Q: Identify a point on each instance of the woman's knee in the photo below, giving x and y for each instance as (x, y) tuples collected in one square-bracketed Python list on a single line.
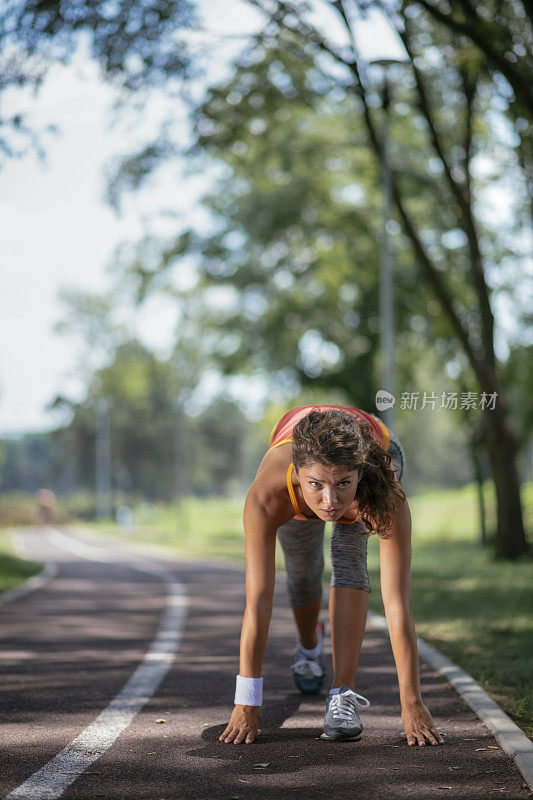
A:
[(348, 560), (304, 578), (304, 589), (302, 546)]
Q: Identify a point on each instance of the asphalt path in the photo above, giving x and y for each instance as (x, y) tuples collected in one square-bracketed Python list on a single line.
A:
[(70, 648)]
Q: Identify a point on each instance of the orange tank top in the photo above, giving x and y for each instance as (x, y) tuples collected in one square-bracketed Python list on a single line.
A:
[(282, 433)]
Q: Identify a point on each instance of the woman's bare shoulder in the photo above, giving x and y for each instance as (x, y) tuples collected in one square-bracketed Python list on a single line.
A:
[(276, 459), (269, 490)]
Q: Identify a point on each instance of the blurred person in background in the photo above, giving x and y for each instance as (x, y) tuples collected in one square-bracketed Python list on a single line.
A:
[(329, 464), (45, 501)]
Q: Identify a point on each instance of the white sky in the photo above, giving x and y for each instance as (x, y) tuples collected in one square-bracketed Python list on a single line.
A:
[(57, 231)]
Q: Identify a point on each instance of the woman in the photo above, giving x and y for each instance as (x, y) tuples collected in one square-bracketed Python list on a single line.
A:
[(335, 464)]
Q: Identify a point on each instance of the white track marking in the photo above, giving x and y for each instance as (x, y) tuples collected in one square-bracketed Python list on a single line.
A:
[(51, 780)]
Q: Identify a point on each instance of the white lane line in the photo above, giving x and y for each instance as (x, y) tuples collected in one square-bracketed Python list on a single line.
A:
[(51, 780), (505, 731)]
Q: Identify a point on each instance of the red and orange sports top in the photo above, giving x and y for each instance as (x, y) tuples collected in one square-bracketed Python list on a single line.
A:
[(282, 433)]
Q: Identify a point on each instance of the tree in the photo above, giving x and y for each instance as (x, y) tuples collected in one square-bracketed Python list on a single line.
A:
[(158, 450), (457, 80), (274, 124), (502, 34), (472, 327)]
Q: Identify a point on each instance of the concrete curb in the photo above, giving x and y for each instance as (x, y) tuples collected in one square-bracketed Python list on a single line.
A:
[(505, 731)]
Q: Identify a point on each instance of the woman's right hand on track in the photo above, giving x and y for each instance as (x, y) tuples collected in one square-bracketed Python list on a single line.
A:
[(243, 723)]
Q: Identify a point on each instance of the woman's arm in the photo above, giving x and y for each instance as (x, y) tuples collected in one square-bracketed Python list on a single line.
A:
[(259, 549), (395, 569), (260, 544)]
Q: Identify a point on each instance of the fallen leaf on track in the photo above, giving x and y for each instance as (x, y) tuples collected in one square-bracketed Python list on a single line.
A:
[(478, 749), (160, 721), (262, 765), (243, 781)]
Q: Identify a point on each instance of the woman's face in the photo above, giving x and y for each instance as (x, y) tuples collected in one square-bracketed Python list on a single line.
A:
[(328, 491)]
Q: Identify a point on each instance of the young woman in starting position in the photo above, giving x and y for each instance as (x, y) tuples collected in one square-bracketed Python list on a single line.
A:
[(329, 464)]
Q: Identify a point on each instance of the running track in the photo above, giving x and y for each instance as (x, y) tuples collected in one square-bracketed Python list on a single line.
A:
[(70, 648)]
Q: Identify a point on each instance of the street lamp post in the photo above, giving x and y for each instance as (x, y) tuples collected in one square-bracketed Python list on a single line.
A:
[(103, 459), (386, 293)]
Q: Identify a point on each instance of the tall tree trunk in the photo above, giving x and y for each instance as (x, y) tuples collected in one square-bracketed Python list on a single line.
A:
[(478, 476), (502, 449)]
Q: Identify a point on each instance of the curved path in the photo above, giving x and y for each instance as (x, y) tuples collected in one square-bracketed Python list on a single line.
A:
[(70, 648)]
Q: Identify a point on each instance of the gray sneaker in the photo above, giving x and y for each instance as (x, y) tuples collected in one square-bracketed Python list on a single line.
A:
[(342, 718), (309, 673)]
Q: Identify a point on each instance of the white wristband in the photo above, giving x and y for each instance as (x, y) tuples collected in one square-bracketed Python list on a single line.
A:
[(248, 691)]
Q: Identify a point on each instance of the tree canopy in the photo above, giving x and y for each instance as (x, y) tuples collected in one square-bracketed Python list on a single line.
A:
[(286, 279)]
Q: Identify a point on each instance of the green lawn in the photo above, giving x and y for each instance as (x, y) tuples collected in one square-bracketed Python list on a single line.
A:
[(475, 610), (13, 570)]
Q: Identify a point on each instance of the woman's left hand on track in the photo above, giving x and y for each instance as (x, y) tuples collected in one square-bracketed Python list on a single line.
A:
[(419, 725)]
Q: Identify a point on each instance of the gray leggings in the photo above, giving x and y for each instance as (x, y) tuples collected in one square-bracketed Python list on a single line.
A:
[(302, 545)]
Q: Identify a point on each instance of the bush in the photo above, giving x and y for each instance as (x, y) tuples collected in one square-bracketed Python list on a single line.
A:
[(17, 508)]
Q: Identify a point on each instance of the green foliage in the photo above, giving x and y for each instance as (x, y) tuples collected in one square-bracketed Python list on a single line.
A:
[(288, 279), (17, 508), (217, 435), (492, 35), (141, 391), (27, 463), (517, 373), (287, 283), (13, 570)]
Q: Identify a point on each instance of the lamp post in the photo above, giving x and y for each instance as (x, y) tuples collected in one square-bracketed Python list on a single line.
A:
[(386, 294), (103, 459), (182, 482)]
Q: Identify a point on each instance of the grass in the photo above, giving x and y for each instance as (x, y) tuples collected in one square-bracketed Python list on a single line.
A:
[(13, 570), (476, 610)]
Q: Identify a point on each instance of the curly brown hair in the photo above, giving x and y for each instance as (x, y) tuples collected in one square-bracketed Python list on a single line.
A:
[(337, 438)]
